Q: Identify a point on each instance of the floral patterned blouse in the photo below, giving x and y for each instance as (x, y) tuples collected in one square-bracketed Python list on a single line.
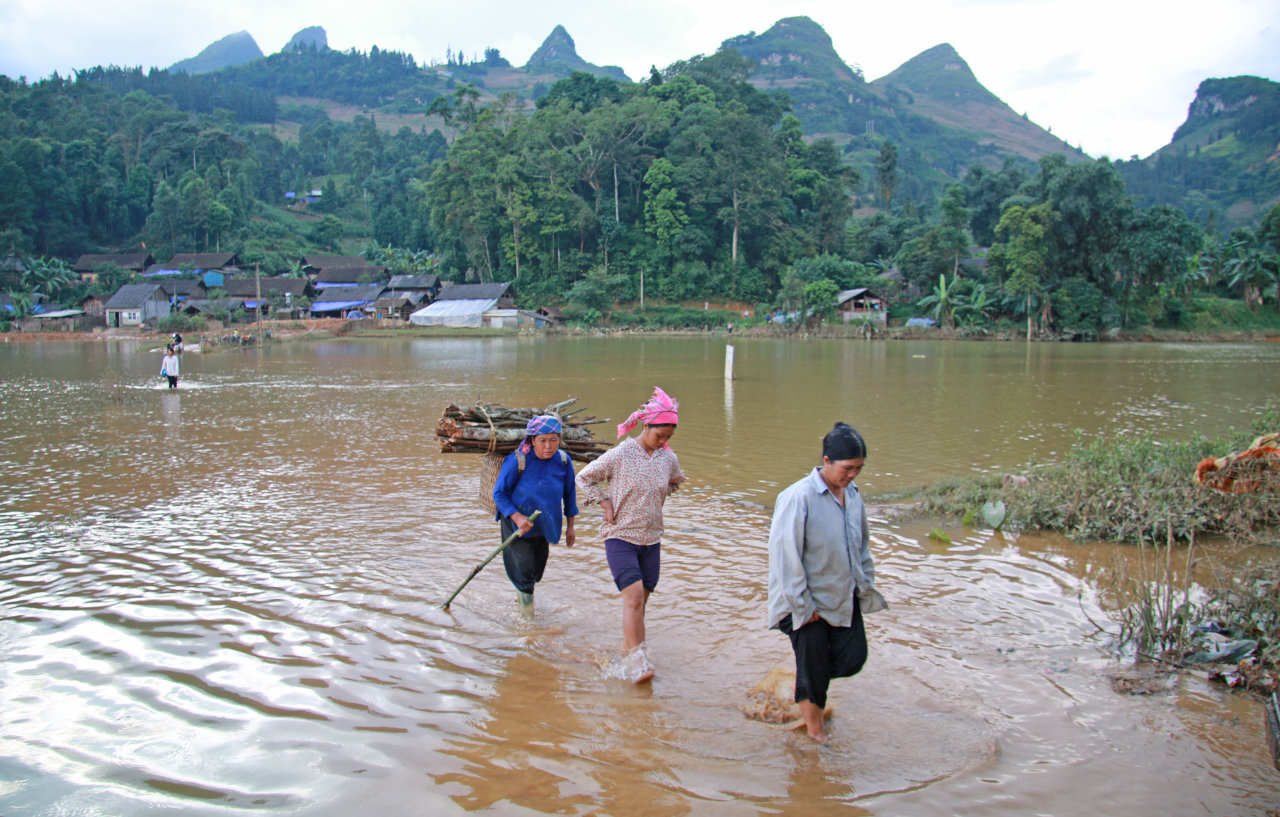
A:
[(638, 484)]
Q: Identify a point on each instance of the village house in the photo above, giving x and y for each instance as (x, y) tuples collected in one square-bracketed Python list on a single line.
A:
[(136, 305), (215, 309), (315, 264), (470, 305), (274, 289), (58, 318), (344, 300), (398, 305), (862, 304), (554, 316), (87, 266), (11, 272), (201, 261), (93, 304), (427, 283), (406, 294), (182, 289), (349, 277), (194, 263), (277, 292)]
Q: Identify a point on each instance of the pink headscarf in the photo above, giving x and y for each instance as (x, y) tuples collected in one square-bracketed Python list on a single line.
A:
[(660, 410)]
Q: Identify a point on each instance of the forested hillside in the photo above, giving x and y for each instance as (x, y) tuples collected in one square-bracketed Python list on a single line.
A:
[(933, 108), (702, 182), (1223, 165)]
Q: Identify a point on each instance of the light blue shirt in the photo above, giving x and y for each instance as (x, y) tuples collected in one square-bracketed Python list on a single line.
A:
[(819, 553)]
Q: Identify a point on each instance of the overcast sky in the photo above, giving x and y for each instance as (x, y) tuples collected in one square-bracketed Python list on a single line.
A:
[(1112, 76)]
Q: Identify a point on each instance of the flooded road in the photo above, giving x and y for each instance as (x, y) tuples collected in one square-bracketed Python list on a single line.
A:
[(226, 599)]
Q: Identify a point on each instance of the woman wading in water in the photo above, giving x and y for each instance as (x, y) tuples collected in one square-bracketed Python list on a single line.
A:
[(821, 575), (641, 473), (538, 476)]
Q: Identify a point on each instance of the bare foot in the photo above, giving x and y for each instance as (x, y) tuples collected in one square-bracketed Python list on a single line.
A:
[(813, 721)]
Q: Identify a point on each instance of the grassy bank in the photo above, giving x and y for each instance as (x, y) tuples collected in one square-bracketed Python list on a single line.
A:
[(1141, 491)]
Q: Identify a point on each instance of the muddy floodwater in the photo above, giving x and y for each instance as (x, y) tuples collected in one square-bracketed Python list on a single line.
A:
[(225, 599)]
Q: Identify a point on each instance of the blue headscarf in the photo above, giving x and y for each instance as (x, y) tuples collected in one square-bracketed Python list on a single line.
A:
[(541, 424)]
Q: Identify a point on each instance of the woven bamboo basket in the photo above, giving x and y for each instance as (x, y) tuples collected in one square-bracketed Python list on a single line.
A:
[(490, 465)]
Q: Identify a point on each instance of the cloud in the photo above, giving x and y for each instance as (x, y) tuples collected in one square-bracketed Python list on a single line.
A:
[(1063, 69)]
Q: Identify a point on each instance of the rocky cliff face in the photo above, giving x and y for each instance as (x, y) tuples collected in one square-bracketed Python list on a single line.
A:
[(558, 55), (932, 102)]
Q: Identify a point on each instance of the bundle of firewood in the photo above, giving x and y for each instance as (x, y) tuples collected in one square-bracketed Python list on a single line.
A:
[(496, 429)]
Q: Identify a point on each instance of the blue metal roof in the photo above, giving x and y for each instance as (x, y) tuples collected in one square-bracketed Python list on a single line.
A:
[(335, 306)]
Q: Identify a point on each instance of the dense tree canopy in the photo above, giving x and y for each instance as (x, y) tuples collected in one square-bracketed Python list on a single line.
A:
[(697, 182), (693, 185)]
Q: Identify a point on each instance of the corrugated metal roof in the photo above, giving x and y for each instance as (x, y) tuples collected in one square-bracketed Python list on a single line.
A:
[(62, 313), (467, 292), (350, 275), (336, 306), (204, 260), (248, 287), (414, 281), (125, 260), (131, 296), (357, 293)]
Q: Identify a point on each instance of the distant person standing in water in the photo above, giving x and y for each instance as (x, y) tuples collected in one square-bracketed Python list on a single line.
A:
[(169, 366), (641, 473), (177, 344), (821, 574)]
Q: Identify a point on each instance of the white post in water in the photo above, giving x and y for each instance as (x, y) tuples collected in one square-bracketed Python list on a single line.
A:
[(728, 362)]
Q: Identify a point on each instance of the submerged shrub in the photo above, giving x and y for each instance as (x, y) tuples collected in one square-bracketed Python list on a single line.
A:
[(1124, 489), (1138, 490)]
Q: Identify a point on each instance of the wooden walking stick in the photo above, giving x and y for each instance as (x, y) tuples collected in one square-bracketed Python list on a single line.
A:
[(480, 566)]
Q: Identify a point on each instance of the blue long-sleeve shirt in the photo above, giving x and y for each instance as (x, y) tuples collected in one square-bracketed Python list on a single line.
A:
[(546, 485), (819, 553)]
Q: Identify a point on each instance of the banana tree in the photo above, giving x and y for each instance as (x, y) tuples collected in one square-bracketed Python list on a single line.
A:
[(1253, 269), (943, 302), (973, 308)]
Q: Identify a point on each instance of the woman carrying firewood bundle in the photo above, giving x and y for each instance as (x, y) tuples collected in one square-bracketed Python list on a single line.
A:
[(541, 482), (641, 473)]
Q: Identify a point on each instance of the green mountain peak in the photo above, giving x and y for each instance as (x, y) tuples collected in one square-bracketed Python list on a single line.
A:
[(558, 55), (233, 49), (794, 47), (310, 37), (939, 72)]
